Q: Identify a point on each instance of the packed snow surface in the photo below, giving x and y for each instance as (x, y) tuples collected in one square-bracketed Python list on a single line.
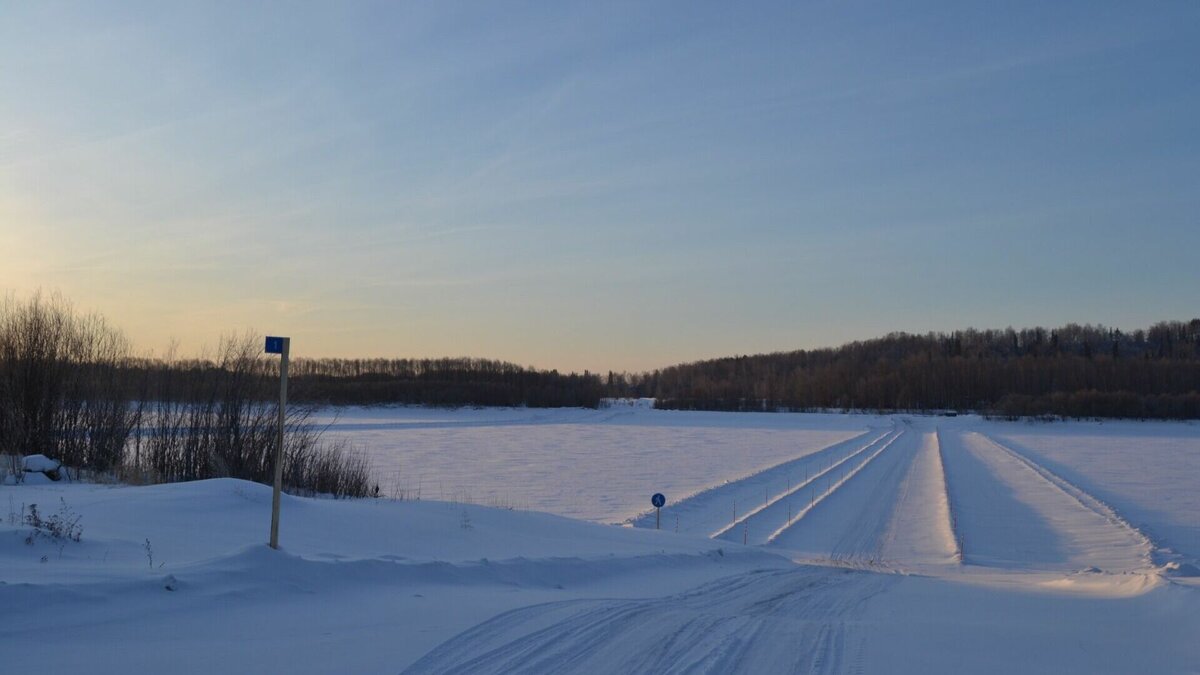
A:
[(790, 543)]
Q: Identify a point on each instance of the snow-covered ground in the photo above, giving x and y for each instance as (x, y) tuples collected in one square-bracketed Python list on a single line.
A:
[(1149, 472), (898, 544), (600, 465)]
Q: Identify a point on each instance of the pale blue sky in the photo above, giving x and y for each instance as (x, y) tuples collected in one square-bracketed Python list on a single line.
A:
[(600, 185)]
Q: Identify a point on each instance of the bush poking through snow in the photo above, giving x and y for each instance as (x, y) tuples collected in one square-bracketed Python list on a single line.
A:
[(222, 422), (329, 468), (63, 526)]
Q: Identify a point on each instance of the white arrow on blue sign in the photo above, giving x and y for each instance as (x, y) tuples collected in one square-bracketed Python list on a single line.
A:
[(658, 500), (274, 345)]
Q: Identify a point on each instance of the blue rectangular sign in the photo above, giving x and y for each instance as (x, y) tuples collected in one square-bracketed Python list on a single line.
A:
[(274, 345)]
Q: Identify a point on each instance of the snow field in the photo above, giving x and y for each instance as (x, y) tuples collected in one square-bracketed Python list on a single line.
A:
[(899, 492), (1024, 563), (360, 586), (719, 510), (599, 465), (821, 487), (931, 545)]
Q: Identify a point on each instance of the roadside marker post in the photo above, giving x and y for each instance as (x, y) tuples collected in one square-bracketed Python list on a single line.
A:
[(659, 500), (281, 346)]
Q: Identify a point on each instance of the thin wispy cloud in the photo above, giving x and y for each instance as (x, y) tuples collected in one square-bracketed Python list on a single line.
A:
[(562, 182)]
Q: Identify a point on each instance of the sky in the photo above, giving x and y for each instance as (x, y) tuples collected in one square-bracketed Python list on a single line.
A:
[(599, 185)]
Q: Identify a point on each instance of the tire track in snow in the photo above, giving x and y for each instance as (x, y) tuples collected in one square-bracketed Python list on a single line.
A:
[(864, 537), (804, 619)]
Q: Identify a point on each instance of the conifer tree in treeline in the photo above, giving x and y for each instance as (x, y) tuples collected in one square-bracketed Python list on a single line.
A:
[(1063, 371)]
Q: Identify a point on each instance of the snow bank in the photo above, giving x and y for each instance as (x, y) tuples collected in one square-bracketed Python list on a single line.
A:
[(40, 463)]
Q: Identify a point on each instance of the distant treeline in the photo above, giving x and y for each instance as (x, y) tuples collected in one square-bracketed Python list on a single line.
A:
[(443, 382), (448, 382), (1078, 371), (70, 387)]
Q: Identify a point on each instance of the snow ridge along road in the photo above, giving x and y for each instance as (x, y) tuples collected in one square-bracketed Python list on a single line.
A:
[(920, 532)]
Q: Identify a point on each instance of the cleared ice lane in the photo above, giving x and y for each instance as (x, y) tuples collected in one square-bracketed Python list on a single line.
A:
[(852, 523), (1012, 514)]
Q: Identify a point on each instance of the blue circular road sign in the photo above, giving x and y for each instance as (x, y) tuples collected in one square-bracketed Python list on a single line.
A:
[(658, 500)]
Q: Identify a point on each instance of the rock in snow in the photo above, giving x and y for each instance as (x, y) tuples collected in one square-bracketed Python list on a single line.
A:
[(42, 464)]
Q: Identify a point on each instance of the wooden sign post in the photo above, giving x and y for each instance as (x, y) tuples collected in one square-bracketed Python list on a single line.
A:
[(281, 346)]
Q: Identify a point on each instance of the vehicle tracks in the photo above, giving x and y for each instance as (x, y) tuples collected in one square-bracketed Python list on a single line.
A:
[(798, 620)]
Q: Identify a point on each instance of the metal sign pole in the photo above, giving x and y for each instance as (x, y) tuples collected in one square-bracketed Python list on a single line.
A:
[(658, 500), (280, 346)]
